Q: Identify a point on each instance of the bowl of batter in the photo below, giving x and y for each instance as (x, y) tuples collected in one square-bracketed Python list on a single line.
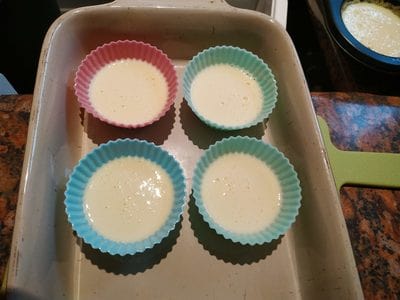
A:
[(246, 190), (367, 30), (125, 196), (229, 88), (126, 83)]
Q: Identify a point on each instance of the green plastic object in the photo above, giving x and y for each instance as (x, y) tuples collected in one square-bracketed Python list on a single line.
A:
[(361, 168)]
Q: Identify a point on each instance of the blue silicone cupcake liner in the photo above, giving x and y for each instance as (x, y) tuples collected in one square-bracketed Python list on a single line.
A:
[(88, 165), (287, 176), (242, 59)]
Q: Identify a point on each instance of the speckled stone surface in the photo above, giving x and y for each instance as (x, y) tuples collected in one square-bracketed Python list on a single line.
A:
[(361, 122), (373, 221), (14, 119), (366, 122)]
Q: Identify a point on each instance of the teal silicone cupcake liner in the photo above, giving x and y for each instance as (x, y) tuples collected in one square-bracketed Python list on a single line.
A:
[(87, 166), (280, 165), (242, 59)]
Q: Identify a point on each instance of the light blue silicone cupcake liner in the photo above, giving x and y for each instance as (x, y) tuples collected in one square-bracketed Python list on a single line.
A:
[(87, 166), (242, 59), (287, 176)]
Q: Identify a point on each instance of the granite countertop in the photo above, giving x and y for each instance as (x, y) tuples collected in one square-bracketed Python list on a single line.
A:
[(14, 119), (357, 121)]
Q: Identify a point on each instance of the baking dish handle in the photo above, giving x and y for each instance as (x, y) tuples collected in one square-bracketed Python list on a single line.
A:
[(278, 9), (200, 4)]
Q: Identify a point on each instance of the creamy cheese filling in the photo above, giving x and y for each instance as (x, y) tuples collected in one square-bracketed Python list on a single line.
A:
[(375, 26), (128, 199), (226, 95), (129, 91), (241, 193)]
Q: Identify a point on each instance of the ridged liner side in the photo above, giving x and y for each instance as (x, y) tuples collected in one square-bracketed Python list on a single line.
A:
[(94, 160), (287, 176)]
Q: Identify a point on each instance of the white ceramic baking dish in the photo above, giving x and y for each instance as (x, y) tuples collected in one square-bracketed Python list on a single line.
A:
[(313, 260)]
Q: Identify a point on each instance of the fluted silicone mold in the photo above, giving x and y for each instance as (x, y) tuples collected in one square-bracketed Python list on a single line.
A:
[(115, 51), (87, 166), (280, 165), (241, 59)]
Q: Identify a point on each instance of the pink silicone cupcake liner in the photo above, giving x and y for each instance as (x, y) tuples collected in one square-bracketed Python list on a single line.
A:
[(114, 51)]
